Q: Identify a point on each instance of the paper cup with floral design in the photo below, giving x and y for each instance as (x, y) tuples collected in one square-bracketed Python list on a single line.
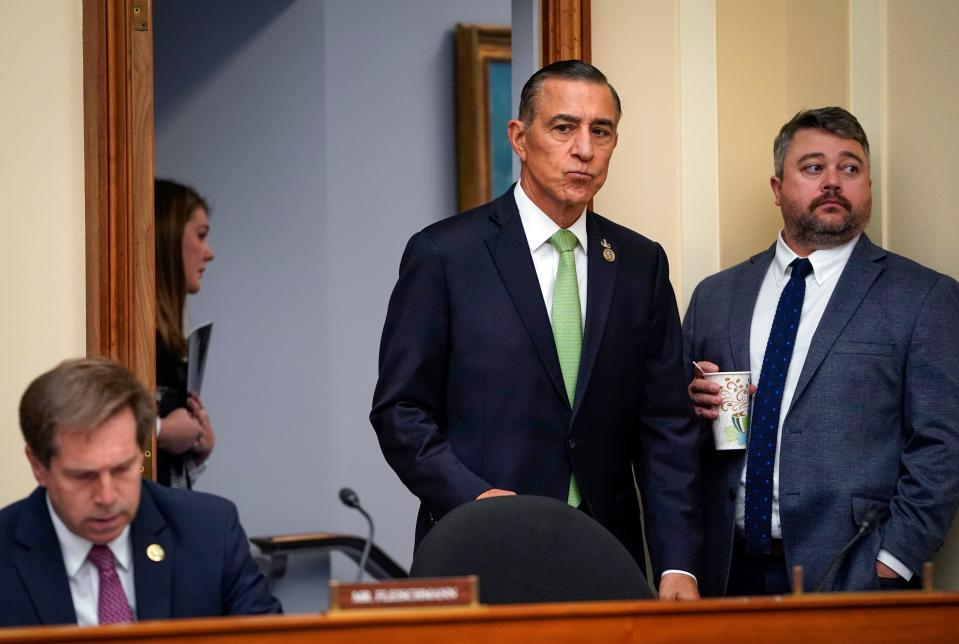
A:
[(731, 429)]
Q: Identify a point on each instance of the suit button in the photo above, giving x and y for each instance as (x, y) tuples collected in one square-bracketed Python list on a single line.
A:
[(572, 443), (732, 494)]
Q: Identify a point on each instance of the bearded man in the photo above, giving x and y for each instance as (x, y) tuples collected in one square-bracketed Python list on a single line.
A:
[(855, 423)]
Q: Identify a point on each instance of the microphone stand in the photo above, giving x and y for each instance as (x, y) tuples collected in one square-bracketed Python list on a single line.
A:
[(349, 498), (868, 523)]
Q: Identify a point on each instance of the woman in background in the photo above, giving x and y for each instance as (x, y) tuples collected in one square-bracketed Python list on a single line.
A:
[(185, 437)]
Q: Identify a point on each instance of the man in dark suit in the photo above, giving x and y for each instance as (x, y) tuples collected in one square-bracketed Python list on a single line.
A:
[(533, 347), (859, 416), (96, 544)]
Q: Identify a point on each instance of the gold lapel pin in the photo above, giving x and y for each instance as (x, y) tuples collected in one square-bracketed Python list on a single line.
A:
[(608, 253), (155, 552)]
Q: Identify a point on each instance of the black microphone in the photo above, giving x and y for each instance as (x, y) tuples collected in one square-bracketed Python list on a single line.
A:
[(870, 520), (350, 500)]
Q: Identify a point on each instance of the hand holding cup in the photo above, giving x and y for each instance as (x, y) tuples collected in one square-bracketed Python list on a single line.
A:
[(723, 397)]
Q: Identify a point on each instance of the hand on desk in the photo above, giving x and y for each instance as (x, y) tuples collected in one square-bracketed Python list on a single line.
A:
[(677, 586)]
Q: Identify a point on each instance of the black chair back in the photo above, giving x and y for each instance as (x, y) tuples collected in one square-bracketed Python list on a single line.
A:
[(530, 549)]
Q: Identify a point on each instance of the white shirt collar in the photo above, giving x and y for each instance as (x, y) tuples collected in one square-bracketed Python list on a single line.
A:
[(539, 227), (825, 262), (75, 548)]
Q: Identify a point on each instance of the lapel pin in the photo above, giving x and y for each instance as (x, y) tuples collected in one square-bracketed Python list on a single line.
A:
[(155, 552), (608, 253)]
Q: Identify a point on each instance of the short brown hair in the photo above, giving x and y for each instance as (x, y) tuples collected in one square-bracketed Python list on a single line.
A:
[(80, 395), (834, 120)]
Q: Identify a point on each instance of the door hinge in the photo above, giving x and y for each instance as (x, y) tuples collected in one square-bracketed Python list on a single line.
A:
[(141, 15)]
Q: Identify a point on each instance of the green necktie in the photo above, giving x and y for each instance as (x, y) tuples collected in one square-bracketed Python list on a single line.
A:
[(567, 326)]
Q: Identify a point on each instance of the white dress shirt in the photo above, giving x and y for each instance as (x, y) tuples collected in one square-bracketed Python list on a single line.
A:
[(827, 265), (83, 575), (539, 228)]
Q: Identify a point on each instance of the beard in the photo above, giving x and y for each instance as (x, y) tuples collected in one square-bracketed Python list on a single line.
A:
[(819, 232)]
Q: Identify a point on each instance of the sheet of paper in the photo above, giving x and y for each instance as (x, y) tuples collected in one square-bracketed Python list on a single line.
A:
[(198, 343)]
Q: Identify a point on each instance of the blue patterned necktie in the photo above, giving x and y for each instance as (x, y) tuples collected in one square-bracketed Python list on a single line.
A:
[(764, 424), (567, 326)]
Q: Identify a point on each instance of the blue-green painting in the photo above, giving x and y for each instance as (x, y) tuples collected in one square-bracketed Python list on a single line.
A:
[(501, 154)]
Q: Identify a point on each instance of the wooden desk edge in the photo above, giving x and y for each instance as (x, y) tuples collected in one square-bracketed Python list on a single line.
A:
[(490, 614)]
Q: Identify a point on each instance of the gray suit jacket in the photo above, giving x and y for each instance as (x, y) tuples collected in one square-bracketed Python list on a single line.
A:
[(874, 422)]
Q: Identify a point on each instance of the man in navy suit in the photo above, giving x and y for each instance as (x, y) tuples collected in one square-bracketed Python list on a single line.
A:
[(867, 434), (482, 392), (97, 544)]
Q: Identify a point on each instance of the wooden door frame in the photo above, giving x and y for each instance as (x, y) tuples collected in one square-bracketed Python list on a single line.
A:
[(118, 155), (118, 165), (565, 30)]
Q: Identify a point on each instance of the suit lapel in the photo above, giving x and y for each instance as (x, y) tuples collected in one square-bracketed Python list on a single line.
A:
[(856, 279), (510, 252), (153, 580), (744, 301), (600, 284), (39, 562)]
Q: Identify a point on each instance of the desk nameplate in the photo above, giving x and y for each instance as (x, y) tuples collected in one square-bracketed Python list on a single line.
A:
[(405, 593)]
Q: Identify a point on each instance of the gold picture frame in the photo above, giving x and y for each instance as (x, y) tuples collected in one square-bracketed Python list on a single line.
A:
[(478, 48)]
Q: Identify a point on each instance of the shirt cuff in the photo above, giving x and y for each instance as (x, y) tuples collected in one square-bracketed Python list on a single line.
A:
[(689, 574), (194, 469), (159, 427), (890, 560)]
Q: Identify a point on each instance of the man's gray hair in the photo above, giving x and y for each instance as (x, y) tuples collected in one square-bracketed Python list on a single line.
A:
[(575, 70)]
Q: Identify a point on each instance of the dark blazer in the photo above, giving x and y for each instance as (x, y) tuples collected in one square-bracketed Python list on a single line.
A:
[(471, 396), (874, 422), (171, 385), (207, 569)]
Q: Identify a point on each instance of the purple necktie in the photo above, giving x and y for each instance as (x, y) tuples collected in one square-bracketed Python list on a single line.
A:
[(112, 607)]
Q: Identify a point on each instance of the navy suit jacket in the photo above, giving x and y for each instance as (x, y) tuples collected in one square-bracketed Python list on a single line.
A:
[(874, 421), (207, 569), (471, 395)]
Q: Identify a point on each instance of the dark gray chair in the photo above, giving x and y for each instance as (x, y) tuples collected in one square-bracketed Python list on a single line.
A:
[(530, 549)]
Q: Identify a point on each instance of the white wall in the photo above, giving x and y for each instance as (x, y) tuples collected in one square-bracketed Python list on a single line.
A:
[(635, 45), (323, 135), (41, 230), (923, 136)]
